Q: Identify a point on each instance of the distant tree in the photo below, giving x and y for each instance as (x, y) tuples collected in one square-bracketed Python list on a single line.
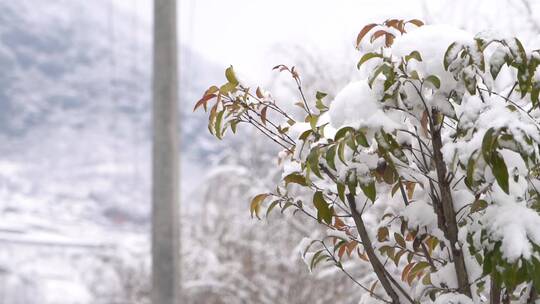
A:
[(233, 260), (426, 170)]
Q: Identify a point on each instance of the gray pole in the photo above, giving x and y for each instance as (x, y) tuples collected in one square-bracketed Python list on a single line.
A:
[(165, 168)]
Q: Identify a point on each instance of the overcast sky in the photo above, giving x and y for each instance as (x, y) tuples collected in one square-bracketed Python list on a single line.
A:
[(245, 33)]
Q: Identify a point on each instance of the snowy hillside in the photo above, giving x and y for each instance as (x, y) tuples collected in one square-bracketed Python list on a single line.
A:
[(74, 140)]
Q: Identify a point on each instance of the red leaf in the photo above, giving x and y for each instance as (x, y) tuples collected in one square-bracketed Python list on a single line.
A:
[(341, 250), (203, 101)]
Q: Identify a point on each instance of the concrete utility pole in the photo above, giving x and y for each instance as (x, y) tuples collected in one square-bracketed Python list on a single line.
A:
[(165, 168)]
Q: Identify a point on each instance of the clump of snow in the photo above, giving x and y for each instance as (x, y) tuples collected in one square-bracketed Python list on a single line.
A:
[(420, 214), (290, 166), (368, 299), (515, 226), (445, 277), (431, 41), (337, 233), (357, 106), (453, 298), (298, 128)]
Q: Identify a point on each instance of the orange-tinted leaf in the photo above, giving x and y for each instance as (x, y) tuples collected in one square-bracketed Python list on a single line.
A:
[(363, 255), (382, 234), (432, 242), (363, 32), (409, 237), (410, 188), (406, 270), (372, 288), (255, 205), (339, 224), (416, 271), (391, 23), (350, 247), (341, 251), (416, 22), (378, 34), (401, 26), (389, 40), (397, 24)]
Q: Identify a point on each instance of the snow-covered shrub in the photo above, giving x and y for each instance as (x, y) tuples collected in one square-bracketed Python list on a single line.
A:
[(426, 169)]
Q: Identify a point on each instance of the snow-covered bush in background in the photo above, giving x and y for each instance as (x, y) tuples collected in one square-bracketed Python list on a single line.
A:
[(426, 170)]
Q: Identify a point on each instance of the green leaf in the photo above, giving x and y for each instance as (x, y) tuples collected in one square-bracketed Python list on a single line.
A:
[(295, 178), (413, 55), (313, 121), (341, 191), (272, 205), (352, 182), (342, 132), (320, 95), (417, 268), (313, 161), (469, 179), (384, 68), (227, 88), (395, 148), (521, 51), (369, 190), (535, 92), (341, 152), (331, 156), (479, 205), (414, 75), (323, 211), (470, 83), (231, 77), (400, 240), (434, 80), (500, 171), (305, 134), (255, 205), (316, 259), (450, 55), (367, 57), (234, 124), (535, 273), (361, 139), (487, 143), (320, 106), (217, 124)]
